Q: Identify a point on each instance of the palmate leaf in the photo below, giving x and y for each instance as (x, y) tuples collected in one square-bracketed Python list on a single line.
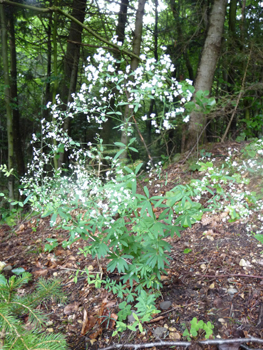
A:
[(156, 260), (158, 229), (99, 248), (175, 229), (118, 262)]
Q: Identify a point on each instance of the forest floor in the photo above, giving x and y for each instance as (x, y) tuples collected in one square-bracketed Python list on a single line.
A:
[(219, 280)]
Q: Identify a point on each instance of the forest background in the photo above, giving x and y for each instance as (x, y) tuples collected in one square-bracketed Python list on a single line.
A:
[(215, 44)]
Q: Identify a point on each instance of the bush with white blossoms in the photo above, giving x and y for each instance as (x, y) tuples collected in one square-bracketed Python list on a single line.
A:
[(151, 80), (104, 208)]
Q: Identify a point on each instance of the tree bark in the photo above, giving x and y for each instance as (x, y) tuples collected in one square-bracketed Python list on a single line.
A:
[(9, 114), (71, 61), (206, 69), (18, 149), (120, 32), (134, 64)]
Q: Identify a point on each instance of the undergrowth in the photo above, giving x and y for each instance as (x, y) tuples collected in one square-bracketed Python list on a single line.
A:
[(104, 207)]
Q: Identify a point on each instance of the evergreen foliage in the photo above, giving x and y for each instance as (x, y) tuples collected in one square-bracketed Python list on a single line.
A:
[(14, 333)]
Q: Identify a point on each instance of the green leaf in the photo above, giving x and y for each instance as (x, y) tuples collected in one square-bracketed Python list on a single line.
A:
[(28, 197), (187, 250), (134, 187), (133, 327), (102, 249), (163, 214), (138, 168), (3, 280), (53, 219), (118, 154), (132, 140), (259, 238), (18, 270), (120, 144), (133, 149), (175, 229), (146, 191), (129, 170), (174, 196)]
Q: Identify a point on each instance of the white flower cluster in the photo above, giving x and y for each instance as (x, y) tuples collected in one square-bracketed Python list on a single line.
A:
[(150, 80)]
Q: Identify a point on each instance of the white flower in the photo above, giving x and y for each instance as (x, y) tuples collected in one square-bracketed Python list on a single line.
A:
[(189, 81)]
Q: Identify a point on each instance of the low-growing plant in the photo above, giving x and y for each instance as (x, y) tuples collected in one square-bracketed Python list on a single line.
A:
[(196, 326), (14, 333)]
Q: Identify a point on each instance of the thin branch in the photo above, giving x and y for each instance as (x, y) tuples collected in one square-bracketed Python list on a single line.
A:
[(184, 343), (94, 46), (238, 99), (142, 139), (233, 275)]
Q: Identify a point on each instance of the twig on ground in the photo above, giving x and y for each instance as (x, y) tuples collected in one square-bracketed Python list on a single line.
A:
[(184, 343), (233, 275), (247, 347)]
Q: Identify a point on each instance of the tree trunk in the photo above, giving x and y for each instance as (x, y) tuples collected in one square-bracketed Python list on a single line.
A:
[(18, 149), (9, 114), (71, 60), (207, 66), (134, 64), (235, 45), (106, 132), (48, 95)]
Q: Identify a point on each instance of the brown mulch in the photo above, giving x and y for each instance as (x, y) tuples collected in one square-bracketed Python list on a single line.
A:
[(210, 282)]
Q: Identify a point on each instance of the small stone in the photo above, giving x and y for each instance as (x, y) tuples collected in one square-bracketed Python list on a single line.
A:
[(131, 319), (50, 330), (221, 320), (164, 305), (232, 291), (244, 263), (175, 336), (7, 268), (172, 329), (203, 266), (159, 332)]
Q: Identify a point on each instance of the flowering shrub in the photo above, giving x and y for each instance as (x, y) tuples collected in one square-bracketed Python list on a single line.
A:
[(151, 80), (104, 208)]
